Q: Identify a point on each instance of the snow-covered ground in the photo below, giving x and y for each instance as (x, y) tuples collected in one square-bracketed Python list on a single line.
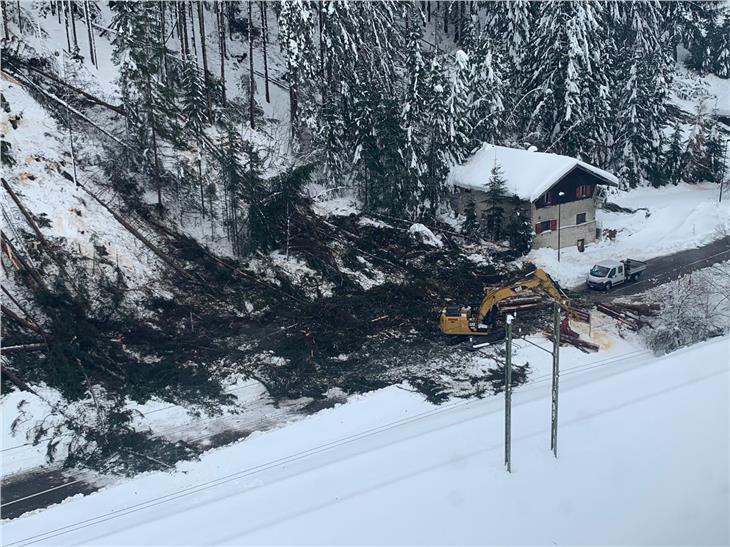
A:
[(677, 218), (387, 468)]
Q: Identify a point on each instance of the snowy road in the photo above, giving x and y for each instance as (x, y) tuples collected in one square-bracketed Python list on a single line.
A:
[(643, 452), (667, 268)]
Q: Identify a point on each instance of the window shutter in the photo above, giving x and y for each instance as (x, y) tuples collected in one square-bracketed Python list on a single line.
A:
[(538, 228), (553, 224)]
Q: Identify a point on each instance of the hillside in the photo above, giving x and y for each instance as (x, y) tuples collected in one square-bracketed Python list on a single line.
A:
[(249, 244)]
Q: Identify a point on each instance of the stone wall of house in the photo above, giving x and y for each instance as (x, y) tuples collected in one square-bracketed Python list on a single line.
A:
[(460, 198), (570, 232)]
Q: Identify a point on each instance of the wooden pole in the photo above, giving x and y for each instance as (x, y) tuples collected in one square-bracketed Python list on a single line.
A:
[(508, 398), (556, 377)]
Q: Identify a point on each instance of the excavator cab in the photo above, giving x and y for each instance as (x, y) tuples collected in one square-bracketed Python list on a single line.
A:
[(455, 320)]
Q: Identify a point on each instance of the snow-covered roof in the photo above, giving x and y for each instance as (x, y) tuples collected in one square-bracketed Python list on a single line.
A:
[(527, 174)]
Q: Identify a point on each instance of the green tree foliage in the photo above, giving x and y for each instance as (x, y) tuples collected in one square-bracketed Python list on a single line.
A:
[(519, 231), (496, 194), (471, 223), (675, 157), (284, 209)]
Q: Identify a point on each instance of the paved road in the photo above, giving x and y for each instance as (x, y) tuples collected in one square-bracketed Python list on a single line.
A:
[(20, 492), (667, 268)]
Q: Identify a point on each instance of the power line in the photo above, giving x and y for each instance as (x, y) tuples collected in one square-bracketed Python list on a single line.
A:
[(297, 456), (537, 381)]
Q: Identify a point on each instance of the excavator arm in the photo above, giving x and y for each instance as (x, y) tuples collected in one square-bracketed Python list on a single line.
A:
[(538, 279), (456, 320)]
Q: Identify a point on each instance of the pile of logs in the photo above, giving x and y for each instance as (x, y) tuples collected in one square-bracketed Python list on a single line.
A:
[(629, 315), (526, 302), (568, 337)]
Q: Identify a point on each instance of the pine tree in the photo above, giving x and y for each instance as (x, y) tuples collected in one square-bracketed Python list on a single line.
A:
[(519, 232), (139, 50), (296, 40), (471, 223), (567, 107), (495, 196), (720, 48), (699, 164), (193, 110), (284, 209), (233, 174), (675, 157), (485, 89), (716, 148)]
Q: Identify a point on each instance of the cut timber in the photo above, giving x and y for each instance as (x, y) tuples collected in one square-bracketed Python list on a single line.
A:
[(570, 339), (518, 303), (624, 317), (637, 308)]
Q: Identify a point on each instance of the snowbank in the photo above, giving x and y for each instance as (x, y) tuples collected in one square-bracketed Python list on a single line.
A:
[(642, 459), (679, 217), (421, 233)]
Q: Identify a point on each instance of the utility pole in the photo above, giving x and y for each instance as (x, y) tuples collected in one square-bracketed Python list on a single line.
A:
[(508, 398), (556, 375), (724, 166), (560, 199)]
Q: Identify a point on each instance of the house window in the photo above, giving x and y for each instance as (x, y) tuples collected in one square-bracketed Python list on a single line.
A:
[(546, 225), (580, 218), (549, 197), (584, 191)]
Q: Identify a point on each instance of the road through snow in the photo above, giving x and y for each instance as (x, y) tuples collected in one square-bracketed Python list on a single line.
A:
[(643, 455)]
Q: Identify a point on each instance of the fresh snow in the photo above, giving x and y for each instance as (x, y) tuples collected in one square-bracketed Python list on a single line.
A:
[(676, 218), (424, 235), (390, 468), (527, 174)]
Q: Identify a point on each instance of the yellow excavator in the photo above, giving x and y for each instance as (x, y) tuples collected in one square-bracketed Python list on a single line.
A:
[(458, 320)]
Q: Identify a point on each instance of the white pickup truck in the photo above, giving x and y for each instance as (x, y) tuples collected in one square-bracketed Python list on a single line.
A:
[(610, 273)]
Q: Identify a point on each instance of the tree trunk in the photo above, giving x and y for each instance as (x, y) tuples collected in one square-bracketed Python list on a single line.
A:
[(92, 52), (20, 20), (428, 10), (5, 20), (200, 178), (163, 41), (149, 100), (201, 19), (447, 8), (264, 38), (222, 47), (191, 16), (73, 24), (182, 28), (65, 21), (321, 42), (230, 20), (251, 82)]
